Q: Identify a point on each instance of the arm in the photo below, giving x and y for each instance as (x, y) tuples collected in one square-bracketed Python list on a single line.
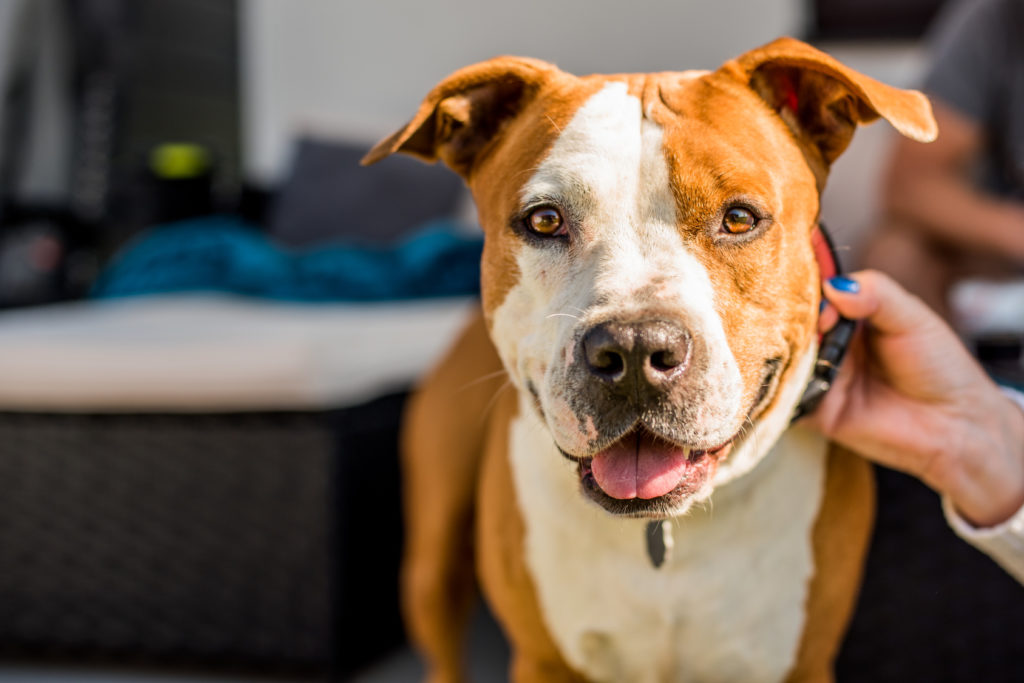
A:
[(1003, 542), (909, 396), (930, 187)]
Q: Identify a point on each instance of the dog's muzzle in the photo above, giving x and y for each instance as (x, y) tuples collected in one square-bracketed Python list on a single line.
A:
[(630, 375)]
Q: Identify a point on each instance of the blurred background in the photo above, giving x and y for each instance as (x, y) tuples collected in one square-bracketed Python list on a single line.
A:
[(211, 316)]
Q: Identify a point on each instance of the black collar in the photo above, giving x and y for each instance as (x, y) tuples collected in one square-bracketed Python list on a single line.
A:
[(833, 344)]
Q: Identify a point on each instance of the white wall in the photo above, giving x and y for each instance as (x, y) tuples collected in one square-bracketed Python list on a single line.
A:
[(359, 68)]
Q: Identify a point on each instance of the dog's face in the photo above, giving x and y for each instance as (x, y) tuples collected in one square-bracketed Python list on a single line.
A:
[(649, 278), (648, 274)]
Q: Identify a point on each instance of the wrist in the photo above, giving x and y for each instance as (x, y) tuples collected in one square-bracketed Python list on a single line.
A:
[(988, 487)]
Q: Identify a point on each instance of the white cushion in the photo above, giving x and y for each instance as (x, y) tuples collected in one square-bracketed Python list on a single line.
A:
[(217, 353), (988, 307)]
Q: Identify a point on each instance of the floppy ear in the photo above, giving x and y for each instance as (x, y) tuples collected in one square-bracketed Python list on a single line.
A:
[(823, 101), (464, 112)]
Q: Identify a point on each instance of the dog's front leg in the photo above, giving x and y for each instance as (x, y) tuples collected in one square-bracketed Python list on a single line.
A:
[(442, 445)]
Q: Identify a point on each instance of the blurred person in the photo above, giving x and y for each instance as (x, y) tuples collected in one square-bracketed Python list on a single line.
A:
[(955, 207), (909, 396)]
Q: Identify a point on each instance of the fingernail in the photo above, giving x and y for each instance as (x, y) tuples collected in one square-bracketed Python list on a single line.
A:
[(844, 284), (822, 305)]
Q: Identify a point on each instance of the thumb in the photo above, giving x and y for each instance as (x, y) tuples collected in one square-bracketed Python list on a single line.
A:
[(871, 295)]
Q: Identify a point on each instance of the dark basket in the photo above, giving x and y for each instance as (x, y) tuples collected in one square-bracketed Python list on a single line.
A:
[(262, 541)]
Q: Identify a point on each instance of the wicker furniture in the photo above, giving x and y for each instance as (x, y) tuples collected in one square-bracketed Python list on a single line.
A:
[(206, 481)]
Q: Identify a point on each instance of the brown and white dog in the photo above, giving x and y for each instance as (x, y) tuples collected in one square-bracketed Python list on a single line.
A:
[(651, 290)]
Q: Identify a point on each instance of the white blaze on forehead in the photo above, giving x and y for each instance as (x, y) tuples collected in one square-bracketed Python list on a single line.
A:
[(600, 148), (604, 160)]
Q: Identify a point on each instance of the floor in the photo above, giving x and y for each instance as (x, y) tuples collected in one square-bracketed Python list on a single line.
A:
[(487, 663), (64, 674)]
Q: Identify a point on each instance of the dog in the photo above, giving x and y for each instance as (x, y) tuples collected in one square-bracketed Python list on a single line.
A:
[(607, 448)]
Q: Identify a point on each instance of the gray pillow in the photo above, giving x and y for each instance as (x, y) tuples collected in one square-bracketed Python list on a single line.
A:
[(330, 197)]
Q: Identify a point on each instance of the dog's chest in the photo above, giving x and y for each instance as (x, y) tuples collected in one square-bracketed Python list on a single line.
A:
[(728, 604)]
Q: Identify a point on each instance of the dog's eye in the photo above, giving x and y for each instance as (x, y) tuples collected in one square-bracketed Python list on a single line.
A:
[(738, 220), (546, 221)]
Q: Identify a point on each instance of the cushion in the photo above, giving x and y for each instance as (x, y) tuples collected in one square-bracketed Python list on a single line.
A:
[(329, 196), (217, 353)]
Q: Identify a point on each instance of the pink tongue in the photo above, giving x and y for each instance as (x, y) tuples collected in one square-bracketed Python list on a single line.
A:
[(626, 471)]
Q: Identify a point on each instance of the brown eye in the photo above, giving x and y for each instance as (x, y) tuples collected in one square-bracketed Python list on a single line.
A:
[(738, 220), (546, 221)]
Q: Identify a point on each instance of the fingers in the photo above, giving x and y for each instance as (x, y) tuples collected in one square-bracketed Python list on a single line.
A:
[(827, 318), (874, 296)]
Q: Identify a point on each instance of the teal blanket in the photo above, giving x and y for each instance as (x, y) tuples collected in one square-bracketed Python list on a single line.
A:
[(221, 253)]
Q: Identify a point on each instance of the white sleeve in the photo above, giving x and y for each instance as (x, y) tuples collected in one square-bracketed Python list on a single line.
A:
[(1004, 542)]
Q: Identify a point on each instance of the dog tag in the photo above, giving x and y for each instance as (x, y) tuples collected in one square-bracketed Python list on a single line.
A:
[(659, 541)]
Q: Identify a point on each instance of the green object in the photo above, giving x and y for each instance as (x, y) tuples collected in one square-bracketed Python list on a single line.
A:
[(179, 160)]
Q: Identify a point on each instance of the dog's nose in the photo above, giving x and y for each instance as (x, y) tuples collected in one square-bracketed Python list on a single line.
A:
[(622, 353)]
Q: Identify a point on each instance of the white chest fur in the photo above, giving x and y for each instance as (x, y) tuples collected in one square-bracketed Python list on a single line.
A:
[(727, 606)]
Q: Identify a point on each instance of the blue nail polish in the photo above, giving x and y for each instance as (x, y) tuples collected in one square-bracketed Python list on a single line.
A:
[(844, 284), (822, 305)]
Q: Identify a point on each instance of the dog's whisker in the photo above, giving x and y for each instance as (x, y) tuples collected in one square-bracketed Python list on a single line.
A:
[(562, 315), (483, 378), (752, 434), (494, 399)]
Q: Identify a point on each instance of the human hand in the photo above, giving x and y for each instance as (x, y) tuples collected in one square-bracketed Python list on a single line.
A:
[(909, 396)]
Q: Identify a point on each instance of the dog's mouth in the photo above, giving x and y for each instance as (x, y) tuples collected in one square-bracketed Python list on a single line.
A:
[(645, 475)]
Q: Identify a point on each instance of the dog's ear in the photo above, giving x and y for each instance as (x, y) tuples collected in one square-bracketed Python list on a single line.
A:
[(463, 113), (823, 101)]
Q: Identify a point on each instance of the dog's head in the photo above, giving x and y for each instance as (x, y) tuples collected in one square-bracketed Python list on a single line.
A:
[(648, 273)]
